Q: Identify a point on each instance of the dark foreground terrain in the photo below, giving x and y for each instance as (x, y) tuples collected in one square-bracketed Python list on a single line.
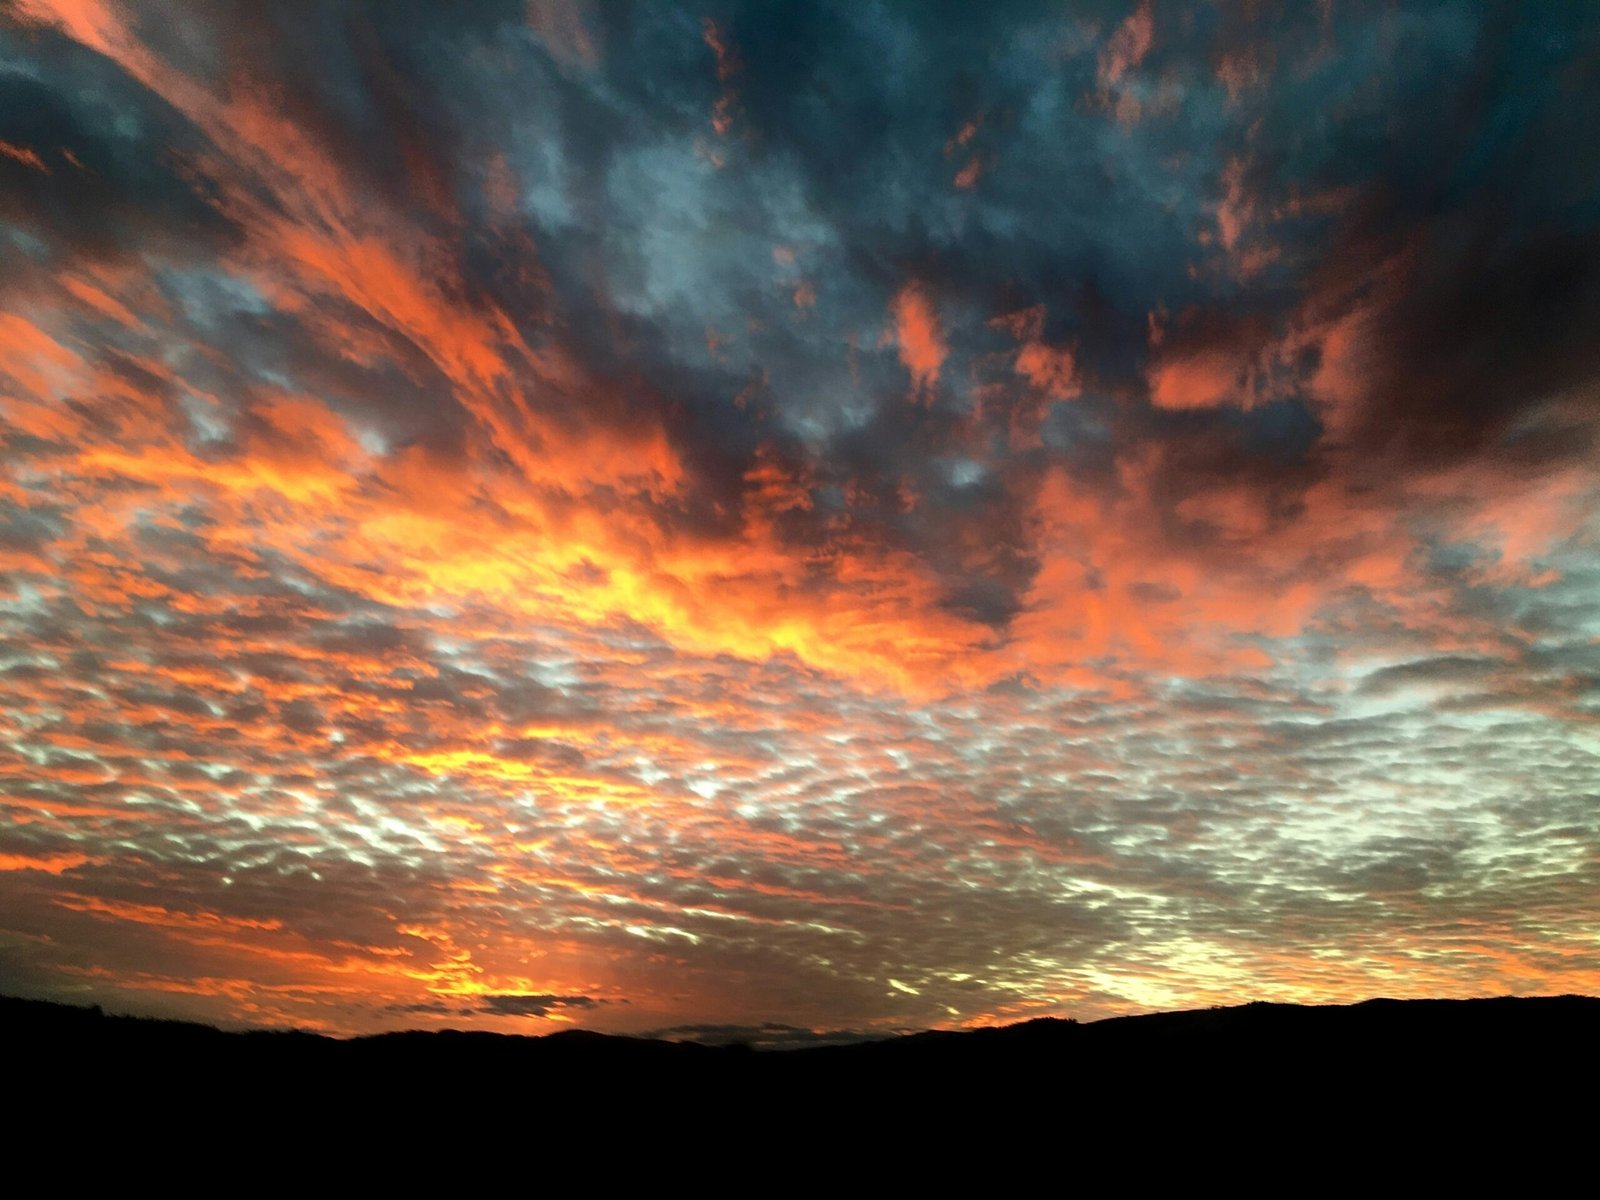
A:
[(1454, 1078), (1209, 1051)]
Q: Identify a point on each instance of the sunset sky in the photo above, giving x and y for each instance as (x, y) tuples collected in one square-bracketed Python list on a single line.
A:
[(783, 518)]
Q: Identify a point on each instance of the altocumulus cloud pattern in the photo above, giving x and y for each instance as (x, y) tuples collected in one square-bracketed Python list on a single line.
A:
[(828, 516)]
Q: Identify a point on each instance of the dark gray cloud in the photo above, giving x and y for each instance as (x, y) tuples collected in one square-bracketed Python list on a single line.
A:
[(770, 1035), (514, 1005)]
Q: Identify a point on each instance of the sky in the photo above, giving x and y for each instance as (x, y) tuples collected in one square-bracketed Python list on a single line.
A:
[(782, 520)]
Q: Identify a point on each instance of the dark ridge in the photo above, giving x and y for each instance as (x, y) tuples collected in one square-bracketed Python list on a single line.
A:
[(1392, 1069), (1500, 1022), (25, 1021)]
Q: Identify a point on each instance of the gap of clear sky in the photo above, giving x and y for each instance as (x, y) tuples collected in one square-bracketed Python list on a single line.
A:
[(827, 516)]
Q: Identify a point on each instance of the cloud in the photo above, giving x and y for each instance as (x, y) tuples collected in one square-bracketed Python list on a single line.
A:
[(565, 28), (25, 155), (466, 552), (1123, 51), (1127, 45), (1200, 381), (769, 1035), (917, 332), (535, 1005)]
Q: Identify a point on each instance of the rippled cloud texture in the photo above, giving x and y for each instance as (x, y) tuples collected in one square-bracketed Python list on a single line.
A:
[(796, 517)]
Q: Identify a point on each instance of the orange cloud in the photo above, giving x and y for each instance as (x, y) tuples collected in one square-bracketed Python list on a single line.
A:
[(921, 340), (1048, 369), (1203, 380), (1127, 46), (25, 155), (728, 67), (50, 864), (1236, 208), (964, 135)]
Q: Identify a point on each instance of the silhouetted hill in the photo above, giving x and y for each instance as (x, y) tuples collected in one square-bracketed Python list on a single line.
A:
[(1394, 1069)]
